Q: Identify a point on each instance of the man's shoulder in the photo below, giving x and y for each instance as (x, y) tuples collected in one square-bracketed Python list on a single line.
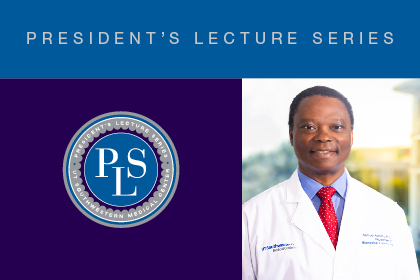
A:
[(275, 194)]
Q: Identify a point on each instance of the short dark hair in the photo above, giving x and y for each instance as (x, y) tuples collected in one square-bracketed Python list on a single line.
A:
[(322, 91)]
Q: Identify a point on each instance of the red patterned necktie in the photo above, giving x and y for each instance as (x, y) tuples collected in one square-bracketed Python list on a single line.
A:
[(327, 213)]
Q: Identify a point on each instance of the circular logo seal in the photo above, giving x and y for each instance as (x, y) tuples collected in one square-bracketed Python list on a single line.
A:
[(121, 169)]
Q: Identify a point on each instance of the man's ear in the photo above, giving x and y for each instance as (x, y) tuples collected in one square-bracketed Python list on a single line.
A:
[(352, 138), (291, 136)]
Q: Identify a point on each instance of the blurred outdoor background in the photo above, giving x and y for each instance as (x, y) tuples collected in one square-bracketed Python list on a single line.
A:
[(386, 147)]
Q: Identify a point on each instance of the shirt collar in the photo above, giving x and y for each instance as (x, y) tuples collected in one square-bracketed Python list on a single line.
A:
[(311, 187)]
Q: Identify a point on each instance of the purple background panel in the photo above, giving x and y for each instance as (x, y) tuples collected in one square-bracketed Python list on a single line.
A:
[(197, 236)]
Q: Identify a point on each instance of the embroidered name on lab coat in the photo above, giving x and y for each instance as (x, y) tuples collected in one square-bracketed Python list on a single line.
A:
[(377, 239)]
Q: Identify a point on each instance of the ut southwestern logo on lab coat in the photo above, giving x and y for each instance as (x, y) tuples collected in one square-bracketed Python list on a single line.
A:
[(279, 247), (121, 169)]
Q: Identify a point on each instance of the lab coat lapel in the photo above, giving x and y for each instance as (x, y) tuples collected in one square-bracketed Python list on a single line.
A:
[(349, 234), (305, 217)]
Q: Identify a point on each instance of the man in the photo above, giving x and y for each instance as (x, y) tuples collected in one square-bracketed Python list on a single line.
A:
[(321, 223)]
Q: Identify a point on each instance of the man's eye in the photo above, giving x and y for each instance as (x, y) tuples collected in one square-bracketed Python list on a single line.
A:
[(338, 126), (309, 127)]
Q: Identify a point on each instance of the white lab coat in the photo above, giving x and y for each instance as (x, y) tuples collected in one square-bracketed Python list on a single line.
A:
[(285, 215)]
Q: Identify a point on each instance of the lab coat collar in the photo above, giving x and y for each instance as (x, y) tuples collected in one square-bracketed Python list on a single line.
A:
[(305, 217), (294, 188)]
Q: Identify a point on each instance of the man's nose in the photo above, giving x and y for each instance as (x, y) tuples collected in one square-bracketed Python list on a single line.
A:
[(323, 135)]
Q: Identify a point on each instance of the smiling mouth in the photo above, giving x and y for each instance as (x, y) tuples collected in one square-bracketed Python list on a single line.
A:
[(322, 152)]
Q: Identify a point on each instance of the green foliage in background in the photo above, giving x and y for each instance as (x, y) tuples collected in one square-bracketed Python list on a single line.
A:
[(265, 170)]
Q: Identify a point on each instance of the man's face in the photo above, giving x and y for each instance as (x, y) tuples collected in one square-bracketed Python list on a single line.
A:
[(321, 135)]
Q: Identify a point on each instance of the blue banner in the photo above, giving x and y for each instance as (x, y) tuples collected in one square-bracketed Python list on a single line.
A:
[(215, 39)]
